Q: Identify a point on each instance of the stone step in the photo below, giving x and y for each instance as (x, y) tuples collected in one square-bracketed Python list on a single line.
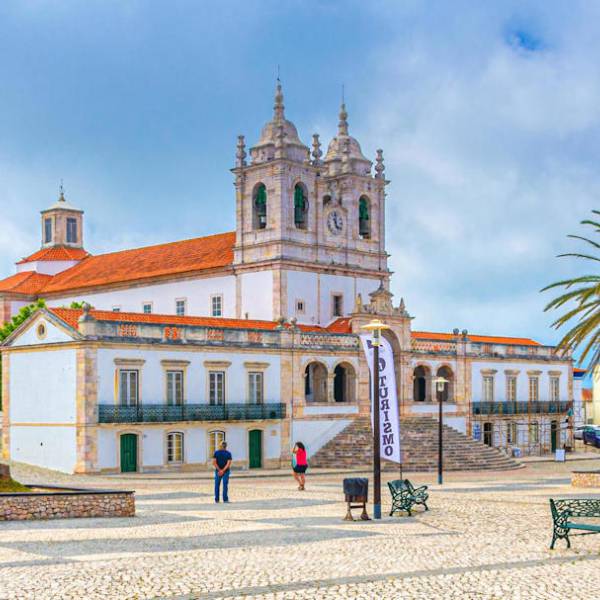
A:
[(353, 447)]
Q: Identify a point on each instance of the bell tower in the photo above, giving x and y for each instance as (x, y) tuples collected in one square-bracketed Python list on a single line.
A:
[(62, 224)]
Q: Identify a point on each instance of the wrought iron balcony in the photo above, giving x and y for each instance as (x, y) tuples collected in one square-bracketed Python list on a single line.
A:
[(521, 408), (163, 413)]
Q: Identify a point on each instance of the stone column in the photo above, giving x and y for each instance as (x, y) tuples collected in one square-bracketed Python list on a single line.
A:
[(330, 378)]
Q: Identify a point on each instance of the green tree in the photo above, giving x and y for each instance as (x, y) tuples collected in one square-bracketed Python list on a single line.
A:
[(580, 302)]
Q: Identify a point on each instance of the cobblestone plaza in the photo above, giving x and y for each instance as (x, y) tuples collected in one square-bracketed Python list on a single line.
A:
[(486, 536)]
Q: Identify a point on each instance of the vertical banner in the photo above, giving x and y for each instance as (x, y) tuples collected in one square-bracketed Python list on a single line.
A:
[(389, 419)]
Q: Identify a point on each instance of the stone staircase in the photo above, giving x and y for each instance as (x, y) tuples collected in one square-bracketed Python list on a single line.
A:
[(353, 447)]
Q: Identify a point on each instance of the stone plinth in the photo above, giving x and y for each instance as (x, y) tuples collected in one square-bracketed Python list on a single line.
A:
[(61, 503), (585, 479), (4, 472)]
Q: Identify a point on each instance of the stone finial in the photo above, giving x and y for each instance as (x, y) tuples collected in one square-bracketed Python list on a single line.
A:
[(240, 155), (455, 331), (465, 333), (317, 153), (86, 324), (379, 166), (343, 122), (294, 322), (278, 108), (358, 304), (86, 315), (281, 323), (61, 194)]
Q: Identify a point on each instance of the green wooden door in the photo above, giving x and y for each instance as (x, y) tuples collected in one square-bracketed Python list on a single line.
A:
[(255, 449), (554, 435), (128, 453)]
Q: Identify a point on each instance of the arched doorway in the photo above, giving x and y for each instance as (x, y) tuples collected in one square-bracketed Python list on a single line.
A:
[(315, 382), (448, 393), (129, 452), (344, 383), (421, 384)]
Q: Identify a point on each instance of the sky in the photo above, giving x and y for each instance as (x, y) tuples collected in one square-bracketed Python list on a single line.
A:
[(488, 114)]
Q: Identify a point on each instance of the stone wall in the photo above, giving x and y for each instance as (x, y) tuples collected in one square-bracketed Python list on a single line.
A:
[(585, 479), (66, 505)]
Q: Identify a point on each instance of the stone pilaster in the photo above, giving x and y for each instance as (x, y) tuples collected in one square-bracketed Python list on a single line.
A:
[(5, 406), (87, 410)]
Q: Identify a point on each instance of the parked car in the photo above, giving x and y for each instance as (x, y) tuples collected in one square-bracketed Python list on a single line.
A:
[(591, 433), (578, 432)]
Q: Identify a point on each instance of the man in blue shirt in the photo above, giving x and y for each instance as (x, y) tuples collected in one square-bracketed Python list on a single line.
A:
[(222, 463)]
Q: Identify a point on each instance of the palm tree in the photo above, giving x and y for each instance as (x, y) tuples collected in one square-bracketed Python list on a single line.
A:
[(581, 300)]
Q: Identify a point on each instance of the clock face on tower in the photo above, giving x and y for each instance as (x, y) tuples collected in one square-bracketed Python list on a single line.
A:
[(335, 222)]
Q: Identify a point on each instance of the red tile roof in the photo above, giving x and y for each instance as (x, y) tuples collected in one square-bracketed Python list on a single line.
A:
[(71, 315), (56, 253), (173, 258), (485, 339), (341, 325), (26, 282)]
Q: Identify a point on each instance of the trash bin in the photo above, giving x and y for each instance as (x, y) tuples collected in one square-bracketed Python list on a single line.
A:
[(356, 492)]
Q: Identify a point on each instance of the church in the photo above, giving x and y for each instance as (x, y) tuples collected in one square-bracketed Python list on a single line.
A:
[(145, 359)]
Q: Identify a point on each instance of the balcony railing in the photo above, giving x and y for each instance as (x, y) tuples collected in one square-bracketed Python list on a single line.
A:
[(162, 413), (521, 408)]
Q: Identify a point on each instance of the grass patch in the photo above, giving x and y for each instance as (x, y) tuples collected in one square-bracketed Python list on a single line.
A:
[(10, 485)]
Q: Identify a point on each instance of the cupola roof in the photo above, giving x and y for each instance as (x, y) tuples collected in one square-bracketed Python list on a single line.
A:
[(62, 204)]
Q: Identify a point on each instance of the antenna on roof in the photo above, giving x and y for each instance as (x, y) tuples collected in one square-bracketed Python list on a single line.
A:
[(61, 190)]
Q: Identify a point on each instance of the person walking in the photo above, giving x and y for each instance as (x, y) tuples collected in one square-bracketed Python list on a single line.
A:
[(222, 463), (300, 464)]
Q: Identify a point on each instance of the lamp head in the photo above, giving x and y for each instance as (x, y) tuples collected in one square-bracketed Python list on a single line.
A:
[(440, 382), (375, 327)]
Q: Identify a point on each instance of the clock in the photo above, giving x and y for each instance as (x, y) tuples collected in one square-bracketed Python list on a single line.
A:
[(335, 222)]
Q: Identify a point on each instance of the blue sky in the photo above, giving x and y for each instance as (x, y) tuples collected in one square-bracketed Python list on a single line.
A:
[(488, 114)]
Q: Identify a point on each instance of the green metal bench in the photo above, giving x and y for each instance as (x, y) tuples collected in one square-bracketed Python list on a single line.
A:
[(564, 509), (405, 496)]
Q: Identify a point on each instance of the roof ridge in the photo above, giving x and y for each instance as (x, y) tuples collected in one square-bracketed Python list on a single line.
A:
[(201, 237)]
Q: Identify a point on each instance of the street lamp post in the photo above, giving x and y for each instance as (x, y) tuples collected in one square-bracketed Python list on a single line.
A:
[(375, 326), (440, 382)]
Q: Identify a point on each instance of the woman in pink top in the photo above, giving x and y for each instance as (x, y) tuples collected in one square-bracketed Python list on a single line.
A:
[(300, 464)]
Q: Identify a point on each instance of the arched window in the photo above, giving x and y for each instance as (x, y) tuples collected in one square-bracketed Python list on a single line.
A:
[(448, 393), (260, 206), (175, 448), (315, 382), (344, 383), (421, 384), (364, 218), (215, 439), (300, 207)]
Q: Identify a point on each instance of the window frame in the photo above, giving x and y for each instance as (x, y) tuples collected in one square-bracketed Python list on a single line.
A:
[(71, 227), (488, 392), (172, 385), (218, 297), (554, 379), (533, 387), (300, 306), (48, 230), (172, 447), (147, 304), (214, 387), (217, 436), (183, 302), (256, 393), (334, 297), (128, 372)]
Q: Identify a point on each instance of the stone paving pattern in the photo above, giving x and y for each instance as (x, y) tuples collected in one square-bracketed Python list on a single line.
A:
[(486, 537)]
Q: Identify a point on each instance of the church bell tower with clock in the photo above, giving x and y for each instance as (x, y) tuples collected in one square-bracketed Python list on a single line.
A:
[(316, 224)]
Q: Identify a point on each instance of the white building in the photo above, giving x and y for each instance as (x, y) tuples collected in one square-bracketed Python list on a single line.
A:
[(249, 335)]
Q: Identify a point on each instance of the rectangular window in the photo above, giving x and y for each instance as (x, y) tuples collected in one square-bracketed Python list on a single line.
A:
[(255, 387), (337, 305), (216, 309), (554, 389), (534, 433), (128, 387), (147, 308), (175, 387), (511, 388), (71, 231), (216, 387), (299, 307), (175, 448), (47, 230), (534, 389), (180, 308), (215, 439), (488, 388), (116, 309)]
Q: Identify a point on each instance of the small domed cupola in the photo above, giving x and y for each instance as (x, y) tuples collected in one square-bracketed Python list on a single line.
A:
[(344, 154), (62, 224), (279, 137)]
